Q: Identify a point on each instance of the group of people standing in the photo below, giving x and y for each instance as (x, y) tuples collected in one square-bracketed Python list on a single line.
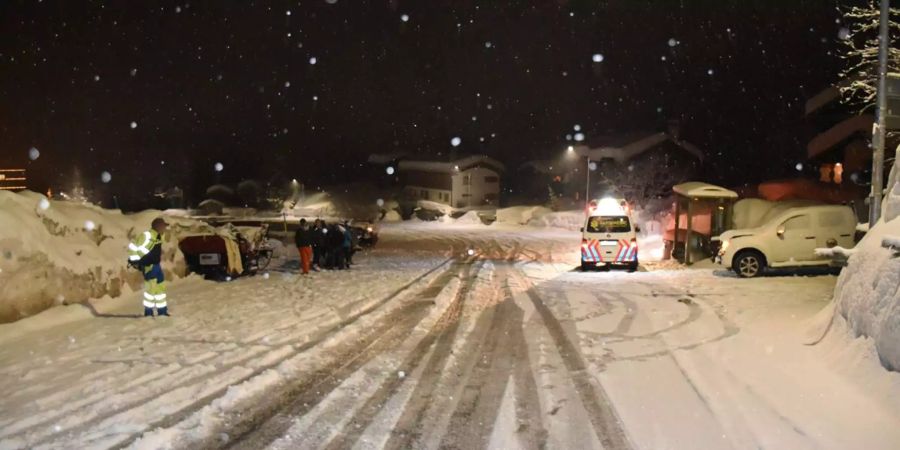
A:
[(326, 246)]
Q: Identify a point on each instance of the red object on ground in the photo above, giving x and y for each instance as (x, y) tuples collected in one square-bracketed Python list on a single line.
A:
[(305, 258)]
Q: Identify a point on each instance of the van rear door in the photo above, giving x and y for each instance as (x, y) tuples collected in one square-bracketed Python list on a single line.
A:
[(609, 239)]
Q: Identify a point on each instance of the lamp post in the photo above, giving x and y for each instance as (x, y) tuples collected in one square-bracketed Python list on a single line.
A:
[(587, 183), (879, 129)]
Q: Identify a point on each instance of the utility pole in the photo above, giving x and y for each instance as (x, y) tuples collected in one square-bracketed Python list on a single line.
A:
[(587, 184), (879, 131)]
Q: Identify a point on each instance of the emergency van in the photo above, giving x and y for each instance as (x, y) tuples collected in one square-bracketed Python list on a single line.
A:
[(609, 236)]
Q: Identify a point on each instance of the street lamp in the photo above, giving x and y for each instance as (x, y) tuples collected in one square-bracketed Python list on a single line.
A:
[(589, 165)]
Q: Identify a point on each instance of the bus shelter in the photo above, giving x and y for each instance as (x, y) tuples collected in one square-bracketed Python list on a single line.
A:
[(702, 212)]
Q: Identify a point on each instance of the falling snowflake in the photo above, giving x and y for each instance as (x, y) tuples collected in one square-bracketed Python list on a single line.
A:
[(470, 252), (44, 204), (404, 17), (597, 57), (455, 141), (579, 137), (592, 165), (843, 33), (401, 374), (709, 72), (577, 127), (379, 202), (287, 84), (672, 42), (96, 77), (33, 153), (312, 60), (266, 277), (218, 167), (133, 72), (488, 44), (799, 166), (133, 124), (105, 176), (389, 170), (89, 225)]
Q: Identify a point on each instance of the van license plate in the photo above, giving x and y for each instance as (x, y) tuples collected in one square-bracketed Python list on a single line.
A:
[(209, 259), (609, 242)]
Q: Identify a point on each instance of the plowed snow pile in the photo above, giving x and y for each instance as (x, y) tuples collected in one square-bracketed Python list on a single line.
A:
[(868, 293), (58, 252)]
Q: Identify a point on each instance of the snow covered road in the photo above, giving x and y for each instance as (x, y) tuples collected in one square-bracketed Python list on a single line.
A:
[(422, 345)]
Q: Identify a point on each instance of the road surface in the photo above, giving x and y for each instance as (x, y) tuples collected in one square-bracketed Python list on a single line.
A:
[(426, 344)]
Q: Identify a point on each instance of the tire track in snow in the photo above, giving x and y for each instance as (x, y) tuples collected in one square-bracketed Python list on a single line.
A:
[(409, 431), (473, 420), (263, 426), (606, 423), (196, 378), (439, 338)]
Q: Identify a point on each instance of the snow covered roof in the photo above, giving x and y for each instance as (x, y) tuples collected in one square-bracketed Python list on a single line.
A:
[(452, 166), (632, 147), (703, 190)]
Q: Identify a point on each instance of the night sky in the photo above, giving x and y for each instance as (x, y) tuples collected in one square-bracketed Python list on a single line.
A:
[(234, 82)]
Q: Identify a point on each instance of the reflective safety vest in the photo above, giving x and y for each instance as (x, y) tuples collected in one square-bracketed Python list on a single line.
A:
[(142, 245)]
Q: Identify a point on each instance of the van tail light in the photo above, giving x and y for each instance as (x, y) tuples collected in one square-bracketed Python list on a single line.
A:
[(634, 240), (584, 243)]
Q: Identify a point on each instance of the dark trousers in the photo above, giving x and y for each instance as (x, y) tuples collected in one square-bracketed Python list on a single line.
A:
[(337, 260), (348, 256), (317, 255)]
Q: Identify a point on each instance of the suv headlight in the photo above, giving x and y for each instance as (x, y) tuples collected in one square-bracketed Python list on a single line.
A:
[(724, 247)]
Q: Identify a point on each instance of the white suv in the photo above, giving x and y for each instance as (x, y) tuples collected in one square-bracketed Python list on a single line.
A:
[(788, 239)]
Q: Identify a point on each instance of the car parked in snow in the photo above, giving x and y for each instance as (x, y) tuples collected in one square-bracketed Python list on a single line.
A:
[(789, 238)]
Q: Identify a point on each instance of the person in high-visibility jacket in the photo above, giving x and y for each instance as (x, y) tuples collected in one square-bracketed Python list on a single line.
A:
[(145, 253)]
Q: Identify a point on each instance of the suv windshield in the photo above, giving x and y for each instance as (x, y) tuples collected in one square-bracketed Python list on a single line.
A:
[(608, 224)]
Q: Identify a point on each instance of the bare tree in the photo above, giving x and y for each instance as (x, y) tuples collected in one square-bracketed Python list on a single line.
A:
[(859, 85)]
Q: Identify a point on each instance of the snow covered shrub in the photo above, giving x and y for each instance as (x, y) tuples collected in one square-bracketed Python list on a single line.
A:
[(868, 291)]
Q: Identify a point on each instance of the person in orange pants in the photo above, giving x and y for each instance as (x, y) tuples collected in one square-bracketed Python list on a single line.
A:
[(304, 240)]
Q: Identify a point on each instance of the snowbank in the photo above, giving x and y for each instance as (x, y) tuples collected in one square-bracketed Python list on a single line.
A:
[(520, 215), (867, 294), (567, 220), (469, 218), (57, 252)]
